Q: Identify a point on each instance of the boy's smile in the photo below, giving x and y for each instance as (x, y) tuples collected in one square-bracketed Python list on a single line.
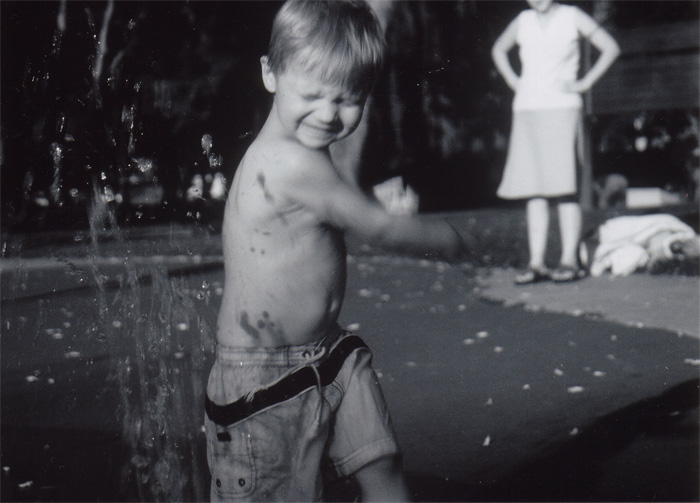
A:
[(312, 112)]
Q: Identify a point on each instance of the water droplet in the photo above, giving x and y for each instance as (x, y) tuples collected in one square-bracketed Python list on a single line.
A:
[(207, 142)]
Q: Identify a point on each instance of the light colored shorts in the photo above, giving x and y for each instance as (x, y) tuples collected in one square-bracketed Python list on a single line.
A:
[(276, 418)]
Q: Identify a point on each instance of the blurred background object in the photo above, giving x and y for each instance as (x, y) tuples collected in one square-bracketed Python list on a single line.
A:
[(145, 99)]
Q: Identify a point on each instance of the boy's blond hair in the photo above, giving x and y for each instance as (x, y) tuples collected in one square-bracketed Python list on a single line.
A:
[(339, 41)]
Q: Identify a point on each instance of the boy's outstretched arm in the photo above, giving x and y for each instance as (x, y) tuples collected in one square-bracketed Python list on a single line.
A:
[(319, 188)]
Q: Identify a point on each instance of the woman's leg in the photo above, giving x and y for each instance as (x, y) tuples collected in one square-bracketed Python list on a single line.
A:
[(570, 228), (537, 230)]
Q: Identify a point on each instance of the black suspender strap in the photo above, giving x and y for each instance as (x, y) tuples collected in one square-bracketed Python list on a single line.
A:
[(289, 387)]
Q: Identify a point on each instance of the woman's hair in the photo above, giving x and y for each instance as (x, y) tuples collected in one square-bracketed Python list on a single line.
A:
[(339, 41)]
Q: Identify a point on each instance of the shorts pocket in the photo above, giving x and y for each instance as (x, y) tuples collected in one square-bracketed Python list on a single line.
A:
[(231, 461)]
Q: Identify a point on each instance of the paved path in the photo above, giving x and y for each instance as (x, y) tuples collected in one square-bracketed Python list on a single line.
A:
[(641, 300), (575, 392)]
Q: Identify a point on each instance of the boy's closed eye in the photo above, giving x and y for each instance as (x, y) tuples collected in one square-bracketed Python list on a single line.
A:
[(351, 100), (311, 96), (354, 100)]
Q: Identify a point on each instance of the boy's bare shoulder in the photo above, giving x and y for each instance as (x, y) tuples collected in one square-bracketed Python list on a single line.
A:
[(287, 161)]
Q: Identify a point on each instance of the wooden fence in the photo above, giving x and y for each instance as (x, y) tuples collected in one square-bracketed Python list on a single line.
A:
[(658, 69)]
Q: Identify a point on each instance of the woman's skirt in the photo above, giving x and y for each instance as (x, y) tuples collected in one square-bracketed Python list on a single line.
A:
[(541, 159)]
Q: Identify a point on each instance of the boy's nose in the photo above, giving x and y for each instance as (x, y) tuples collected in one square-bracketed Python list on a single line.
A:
[(328, 112)]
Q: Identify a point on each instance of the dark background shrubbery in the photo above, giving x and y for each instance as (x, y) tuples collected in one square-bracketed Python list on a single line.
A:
[(174, 73)]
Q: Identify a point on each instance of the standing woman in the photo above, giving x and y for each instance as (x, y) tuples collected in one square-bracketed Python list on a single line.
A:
[(541, 161)]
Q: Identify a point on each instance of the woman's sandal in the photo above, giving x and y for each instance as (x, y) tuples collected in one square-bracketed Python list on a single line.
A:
[(532, 275), (566, 273)]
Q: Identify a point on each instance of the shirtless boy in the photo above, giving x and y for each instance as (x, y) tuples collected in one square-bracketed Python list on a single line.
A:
[(290, 392)]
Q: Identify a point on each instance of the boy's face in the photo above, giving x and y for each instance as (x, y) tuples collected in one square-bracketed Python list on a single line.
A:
[(315, 113)]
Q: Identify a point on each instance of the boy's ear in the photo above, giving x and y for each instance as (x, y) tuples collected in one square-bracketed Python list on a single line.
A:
[(268, 76)]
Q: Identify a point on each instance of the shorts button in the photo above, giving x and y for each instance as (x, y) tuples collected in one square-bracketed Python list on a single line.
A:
[(241, 482), (218, 483)]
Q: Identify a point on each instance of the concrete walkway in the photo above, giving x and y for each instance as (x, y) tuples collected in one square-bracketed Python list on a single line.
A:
[(668, 302)]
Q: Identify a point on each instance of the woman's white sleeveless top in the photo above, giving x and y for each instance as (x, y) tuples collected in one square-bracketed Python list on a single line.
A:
[(549, 57)]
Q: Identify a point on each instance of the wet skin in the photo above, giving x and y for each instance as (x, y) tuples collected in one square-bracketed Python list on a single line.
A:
[(285, 271), (286, 215), (285, 266)]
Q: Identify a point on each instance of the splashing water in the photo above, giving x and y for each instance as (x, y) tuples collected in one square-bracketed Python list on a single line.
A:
[(149, 321), (160, 385), (55, 189)]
